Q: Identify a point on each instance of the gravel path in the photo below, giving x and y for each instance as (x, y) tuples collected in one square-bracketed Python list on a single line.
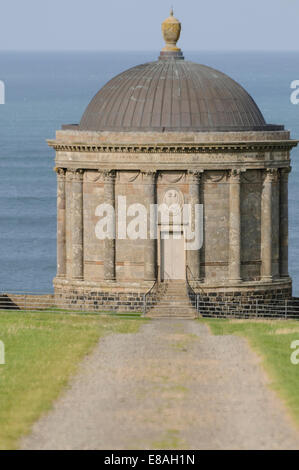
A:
[(172, 385)]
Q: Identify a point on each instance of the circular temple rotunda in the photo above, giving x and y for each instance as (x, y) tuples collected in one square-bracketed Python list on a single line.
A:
[(172, 130)]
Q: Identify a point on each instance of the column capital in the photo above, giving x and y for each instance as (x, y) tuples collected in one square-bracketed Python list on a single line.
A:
[(61, 173), (69, 175), (235, 174), (149, 175), (77, 175), (271, 175), (284, 172), (108, 175), (195, 175)]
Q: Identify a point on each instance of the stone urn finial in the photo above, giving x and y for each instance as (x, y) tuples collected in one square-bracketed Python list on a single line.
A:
[(171, 29)]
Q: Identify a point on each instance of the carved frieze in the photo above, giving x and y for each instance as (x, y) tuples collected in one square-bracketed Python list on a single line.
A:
[(128, 176), (214, 176), (172, 176), (207, 147), (252, 176)]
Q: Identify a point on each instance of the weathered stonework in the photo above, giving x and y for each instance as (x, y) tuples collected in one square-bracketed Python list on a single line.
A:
[(245, 216), (144, 144)]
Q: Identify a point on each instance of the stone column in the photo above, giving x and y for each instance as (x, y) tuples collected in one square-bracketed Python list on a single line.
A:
[(193, 256), (68, 221), (150, 244), (284, 231), (77, 225), (61, 223), (109, 196), (266, 224), (234, 268)]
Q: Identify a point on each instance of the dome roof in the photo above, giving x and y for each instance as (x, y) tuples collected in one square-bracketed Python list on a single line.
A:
[(172, 94)]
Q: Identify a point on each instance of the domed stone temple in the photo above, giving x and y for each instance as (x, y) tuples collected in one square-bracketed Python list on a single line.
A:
[(172, 134)]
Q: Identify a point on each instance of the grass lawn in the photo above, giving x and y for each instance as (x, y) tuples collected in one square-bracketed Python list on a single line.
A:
[(271, 340), (42, 351)]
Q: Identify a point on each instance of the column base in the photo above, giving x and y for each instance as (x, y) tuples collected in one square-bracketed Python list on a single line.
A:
[(267, 278), (237, 280)]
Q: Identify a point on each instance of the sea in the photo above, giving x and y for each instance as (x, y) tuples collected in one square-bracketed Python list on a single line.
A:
[(44, 90)]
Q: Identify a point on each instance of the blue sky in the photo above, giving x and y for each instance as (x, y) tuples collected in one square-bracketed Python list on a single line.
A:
[(135, 24)]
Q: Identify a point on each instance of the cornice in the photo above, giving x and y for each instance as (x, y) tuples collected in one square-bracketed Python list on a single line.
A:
[(207, 147)]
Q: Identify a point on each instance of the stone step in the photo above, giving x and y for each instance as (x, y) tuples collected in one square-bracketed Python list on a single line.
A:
[(177, 292), (176, 286), (171, 315), (169, 298), (161, 311), (173, 309), (167, 309), (174, 303), (177, 301), (176, 295), (171, 304)]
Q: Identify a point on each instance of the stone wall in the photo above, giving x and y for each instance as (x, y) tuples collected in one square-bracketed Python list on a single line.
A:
[(239, 177), (26, 301), (251, 191), (244, 304), (214, 195), (214, 253), (99, 301)]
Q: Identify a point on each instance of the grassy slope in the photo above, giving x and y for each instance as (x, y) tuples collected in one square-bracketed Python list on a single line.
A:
[(271, 340), (42, 350)]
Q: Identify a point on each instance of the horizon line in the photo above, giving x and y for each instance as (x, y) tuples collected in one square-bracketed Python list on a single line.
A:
[(146, 50)]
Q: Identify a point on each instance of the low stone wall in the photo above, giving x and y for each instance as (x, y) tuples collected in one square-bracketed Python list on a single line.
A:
[(240, 304), (96, 301), (10, 301), (245, 303)]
